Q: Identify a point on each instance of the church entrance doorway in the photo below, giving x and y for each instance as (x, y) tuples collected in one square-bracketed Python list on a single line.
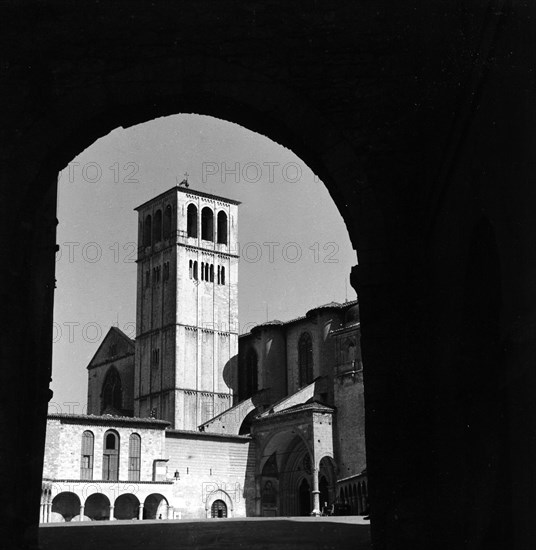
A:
[(219, 509), (304, 498)]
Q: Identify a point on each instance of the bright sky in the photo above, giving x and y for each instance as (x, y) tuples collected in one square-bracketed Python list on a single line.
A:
[(283, 203)]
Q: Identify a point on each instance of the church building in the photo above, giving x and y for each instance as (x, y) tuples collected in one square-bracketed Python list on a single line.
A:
[(193, 420)]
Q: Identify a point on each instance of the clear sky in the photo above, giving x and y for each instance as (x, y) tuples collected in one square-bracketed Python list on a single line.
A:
[(283, 203)]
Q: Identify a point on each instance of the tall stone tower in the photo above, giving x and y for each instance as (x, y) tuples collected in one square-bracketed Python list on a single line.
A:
[(187, 307)]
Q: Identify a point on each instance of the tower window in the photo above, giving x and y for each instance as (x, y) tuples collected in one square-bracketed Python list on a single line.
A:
[(157, 226), (195, 270), (305, 359), (211, 273), (206, 272), (167, 222), (147, 229), (202, 271), (134, 457), (191, 220), (147, 277), (207, 224), (222, 275), (222, 227), (156, 357), (191, 269)]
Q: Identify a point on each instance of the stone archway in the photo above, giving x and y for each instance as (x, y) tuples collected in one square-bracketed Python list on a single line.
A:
[(219, 504), (65, 506), (126, 506), (97, 507), (286, 123), (155, 506)]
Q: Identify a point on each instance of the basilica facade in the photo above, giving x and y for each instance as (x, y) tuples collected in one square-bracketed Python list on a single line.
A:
[(193, 420)]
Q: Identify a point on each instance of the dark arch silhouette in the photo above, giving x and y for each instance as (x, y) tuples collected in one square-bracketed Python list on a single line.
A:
[(191, 220), (154, 506), (222, 227), (304, 498), (112, 392), (280, 115), (97, 507), (207, 224), (126, 506), (66, 504)]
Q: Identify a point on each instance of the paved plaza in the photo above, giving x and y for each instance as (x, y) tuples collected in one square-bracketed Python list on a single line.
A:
[(326, 533)]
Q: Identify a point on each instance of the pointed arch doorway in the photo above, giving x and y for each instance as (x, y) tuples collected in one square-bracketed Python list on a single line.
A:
[(304, 498)]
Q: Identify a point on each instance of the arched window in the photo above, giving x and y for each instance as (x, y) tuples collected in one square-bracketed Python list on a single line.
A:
[(86, 459), (222, 227), (167, 222), (206, 272), (202, 271), (305, 359), (207, 224), (147, 230), (195, 271), (191, 220), (157, 226), (218, 509), (191, 269), (211, 273), (134, 457), (222, 275), (112, 394), (110, 456), (251, 372)]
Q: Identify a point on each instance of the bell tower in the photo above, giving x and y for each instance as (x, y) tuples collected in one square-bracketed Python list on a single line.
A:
[(187, 307)]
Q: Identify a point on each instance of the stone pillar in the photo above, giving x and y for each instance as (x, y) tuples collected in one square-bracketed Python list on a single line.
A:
[(81, 512), (48, 511), (42, 512), (316, 494), (140, 511), (112, 512)]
